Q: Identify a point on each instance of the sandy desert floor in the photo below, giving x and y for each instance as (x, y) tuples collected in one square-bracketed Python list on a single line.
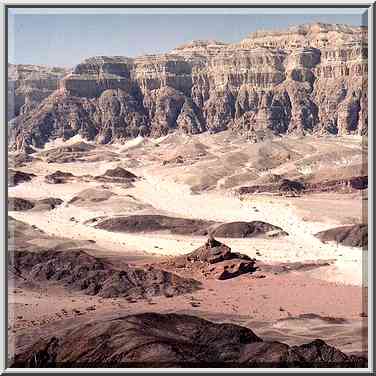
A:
[(327, 302)]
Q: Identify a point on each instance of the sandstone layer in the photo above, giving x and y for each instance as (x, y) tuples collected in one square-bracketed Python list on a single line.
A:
[(28, 85), (307, 79)]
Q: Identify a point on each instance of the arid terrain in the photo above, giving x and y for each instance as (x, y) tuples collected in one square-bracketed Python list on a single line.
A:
[(204, 207), (134, 210)]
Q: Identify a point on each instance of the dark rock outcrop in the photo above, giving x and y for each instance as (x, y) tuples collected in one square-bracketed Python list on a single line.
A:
[(117, 175), (21, 204), (16, 177), (348, 185), (289, 186), (308, 79), (247, 230), (59, 177), (78, 270), (214, 260), (352, 236), (277, 185), (173, 340), (48, 203), (186, 226), (153, 223)]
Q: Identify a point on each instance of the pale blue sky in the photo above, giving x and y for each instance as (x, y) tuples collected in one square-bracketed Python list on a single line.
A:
[(64, 37)]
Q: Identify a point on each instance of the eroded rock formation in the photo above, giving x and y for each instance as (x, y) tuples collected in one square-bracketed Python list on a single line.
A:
[(351, 236), (28, 85), (213, 260), (77, 270), (307, 79), (16, 177), (173, 340)]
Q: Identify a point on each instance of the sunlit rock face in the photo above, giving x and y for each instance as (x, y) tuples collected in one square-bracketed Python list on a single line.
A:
[(28, 85), (308, 79)]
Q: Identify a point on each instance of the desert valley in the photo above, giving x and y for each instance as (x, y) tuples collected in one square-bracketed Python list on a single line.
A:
[(204, 207)]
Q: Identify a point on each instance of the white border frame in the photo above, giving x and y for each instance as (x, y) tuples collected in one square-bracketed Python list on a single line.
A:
[(370, 263)]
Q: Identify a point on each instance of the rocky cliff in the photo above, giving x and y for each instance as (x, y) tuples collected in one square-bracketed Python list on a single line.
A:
[(28, 85), (307, 79)]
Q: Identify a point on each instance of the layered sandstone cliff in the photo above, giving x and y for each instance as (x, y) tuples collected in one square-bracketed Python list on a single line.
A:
[(28, 85), (307, 79)]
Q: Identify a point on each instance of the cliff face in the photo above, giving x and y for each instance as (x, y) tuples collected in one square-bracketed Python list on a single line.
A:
[(28, 85), (307, 79)]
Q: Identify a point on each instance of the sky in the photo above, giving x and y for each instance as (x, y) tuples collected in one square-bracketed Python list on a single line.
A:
[(64, 37)]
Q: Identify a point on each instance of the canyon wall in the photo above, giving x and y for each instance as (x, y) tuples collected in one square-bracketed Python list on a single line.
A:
[(308, 79), (28, 85)]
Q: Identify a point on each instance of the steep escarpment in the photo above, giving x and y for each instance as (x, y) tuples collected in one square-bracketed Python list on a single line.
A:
[(340, 89), (28, 85), (307, 79)]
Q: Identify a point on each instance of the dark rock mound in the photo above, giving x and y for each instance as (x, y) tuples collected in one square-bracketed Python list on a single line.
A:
[(247, 230), (214, 260), (185, 226), (19, 204), (172, 340), (319, 354), (59, 177), (351, 236), (291, 186), (117, 174), (47, 203), (359, 182), (16, 177), (154, 223), (78, 270), (212, 252)]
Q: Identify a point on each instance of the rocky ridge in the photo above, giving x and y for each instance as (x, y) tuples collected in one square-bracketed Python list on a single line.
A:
[(36, 259), (307, 79), (185, 226), (172, 340)]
